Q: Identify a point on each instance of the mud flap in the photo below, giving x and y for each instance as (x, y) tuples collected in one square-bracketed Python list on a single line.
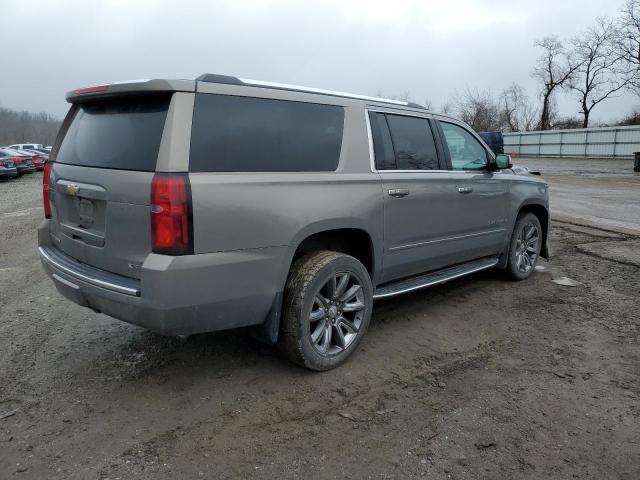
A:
[(267, 332)]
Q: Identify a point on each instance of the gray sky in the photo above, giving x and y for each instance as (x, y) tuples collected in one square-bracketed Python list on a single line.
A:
[(427, 48)]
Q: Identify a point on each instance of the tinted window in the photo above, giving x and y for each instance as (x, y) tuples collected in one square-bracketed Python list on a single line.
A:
[(119, 133), (382, 144), (467, 153), (413, 143), (244, 134)]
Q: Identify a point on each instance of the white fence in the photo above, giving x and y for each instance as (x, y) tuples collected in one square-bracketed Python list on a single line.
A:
[(605, 142)]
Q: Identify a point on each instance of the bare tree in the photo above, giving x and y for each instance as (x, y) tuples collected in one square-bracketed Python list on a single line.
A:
[(478, 108), (403, 97), (599, 72), (627, 42), (448, 107), (516, 112), (19, 127), (554, 69)]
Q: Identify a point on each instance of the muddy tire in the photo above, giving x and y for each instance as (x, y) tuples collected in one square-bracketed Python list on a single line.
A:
[(328, 301), (524, 249)]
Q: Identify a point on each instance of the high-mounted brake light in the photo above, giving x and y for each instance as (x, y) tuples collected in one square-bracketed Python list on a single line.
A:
[(45, 189), (95, 89), (171, 214)]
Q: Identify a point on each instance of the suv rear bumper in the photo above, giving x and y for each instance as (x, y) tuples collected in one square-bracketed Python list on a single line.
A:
[(174, 295)]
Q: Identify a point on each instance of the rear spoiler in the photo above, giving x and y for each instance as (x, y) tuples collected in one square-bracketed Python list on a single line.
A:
[(129, 87)]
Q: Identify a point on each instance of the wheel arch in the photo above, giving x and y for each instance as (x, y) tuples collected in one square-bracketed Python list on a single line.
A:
[(542, 213), (349, 236)]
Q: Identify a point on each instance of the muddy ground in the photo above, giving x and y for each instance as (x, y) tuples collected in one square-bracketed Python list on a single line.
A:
[(478, 378)]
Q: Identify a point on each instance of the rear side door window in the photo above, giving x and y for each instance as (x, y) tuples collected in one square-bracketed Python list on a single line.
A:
[(413, 142), (466, 152)]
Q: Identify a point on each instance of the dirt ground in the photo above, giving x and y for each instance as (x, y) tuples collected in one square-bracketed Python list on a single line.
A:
[(478, 378)]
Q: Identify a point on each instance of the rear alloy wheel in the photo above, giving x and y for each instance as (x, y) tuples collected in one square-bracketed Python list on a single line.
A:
[(524, 250), (328, 303)]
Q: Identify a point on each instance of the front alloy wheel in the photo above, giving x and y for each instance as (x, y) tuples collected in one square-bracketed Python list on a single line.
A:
[(524, 249), (527, 247)]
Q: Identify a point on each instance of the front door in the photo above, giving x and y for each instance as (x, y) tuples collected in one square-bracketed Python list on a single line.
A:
[(478, 203)]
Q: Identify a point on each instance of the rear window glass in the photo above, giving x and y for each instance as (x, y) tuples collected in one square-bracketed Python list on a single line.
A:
[(245, 134), (121, 133)]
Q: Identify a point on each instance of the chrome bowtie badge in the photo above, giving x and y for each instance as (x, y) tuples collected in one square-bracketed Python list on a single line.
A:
[(73, 189)]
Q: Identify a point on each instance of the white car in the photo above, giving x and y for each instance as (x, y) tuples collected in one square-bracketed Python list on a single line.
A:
[(25, 146)]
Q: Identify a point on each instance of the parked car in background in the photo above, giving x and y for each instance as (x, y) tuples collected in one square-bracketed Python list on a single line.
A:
[(23, 146), (39, 158), (23, 161), (494, 140), (42, 150), (8, 167), (233, 203)]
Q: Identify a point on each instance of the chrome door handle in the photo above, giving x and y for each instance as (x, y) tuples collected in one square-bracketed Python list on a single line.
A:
[(398, 192), (465, 189)]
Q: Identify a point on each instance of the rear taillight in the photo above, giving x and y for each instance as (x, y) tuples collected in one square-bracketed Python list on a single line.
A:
[(171, 215), (45, 190)]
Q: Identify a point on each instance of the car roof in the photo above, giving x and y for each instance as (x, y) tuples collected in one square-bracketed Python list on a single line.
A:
[(182, 85), (13, 151)]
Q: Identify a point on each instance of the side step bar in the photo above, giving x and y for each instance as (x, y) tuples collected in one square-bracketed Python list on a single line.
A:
[(434, 278)]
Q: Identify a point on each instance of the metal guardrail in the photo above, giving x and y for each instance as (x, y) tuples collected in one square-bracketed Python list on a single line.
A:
[(602, 142)]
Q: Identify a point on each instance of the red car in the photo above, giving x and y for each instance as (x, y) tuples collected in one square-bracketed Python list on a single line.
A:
[(38, 158), (22, 160)]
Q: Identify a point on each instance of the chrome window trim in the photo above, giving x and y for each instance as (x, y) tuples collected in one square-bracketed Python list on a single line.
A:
[(372, 155)]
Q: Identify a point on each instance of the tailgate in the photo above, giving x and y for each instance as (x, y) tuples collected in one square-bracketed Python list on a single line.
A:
[(101, 179)]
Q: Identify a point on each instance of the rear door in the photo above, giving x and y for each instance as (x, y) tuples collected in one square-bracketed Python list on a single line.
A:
[(101, 179), (414, 185)]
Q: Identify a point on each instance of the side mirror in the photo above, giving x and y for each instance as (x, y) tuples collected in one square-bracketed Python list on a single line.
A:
[(503, 161)]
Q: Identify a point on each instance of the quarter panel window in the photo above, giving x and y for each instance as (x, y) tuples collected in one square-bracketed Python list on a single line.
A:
[(466, 152), (413, 143), (382, 144), (246, 134)]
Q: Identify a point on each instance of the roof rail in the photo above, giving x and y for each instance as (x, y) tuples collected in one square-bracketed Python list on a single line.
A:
[(229, 80)]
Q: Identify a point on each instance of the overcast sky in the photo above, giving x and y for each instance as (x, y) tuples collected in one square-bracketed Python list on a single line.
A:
[(429, 48)]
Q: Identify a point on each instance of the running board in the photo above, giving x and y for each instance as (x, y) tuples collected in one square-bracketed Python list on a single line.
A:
[(434, 278)]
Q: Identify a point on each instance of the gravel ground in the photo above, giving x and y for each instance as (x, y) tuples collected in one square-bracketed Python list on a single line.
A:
[(601, 193), (478, 378)]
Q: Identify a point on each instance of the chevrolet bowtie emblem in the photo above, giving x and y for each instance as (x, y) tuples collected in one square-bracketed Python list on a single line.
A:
[(73, 189)]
